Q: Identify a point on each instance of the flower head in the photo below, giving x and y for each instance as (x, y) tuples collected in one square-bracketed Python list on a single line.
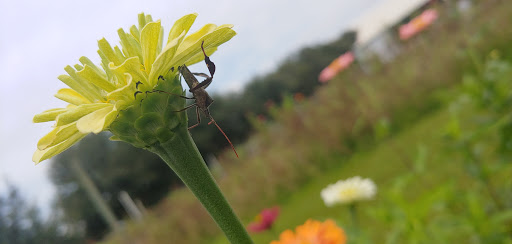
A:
[(264, 220), (98, 95), (348, 191), (313, 232)]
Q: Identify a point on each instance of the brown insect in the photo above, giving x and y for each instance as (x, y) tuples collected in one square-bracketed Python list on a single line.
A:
[(200, 95)]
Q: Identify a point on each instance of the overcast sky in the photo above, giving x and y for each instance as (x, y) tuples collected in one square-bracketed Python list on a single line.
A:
[(39, 38)]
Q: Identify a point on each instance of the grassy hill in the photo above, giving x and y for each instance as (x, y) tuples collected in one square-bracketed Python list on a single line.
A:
[(420, 182)]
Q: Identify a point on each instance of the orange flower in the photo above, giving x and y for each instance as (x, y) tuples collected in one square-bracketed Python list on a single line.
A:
[(313, 232)]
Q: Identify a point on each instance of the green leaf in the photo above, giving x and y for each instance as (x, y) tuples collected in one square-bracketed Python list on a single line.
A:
[(123, 128), (164, 134), (149, 123), (156, 102)]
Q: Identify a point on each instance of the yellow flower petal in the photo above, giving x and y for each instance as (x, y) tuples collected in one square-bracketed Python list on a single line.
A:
[(88, 91), (149, 40), (125, 93), (88, 73), (198, 57), (56, 136), (48, 115), (132, 66), (131, 47), (211, 40), (180, 26), (75, 114), (87, 61), (108, 52), (143, 20), (135, 33), (47, 153), (196, 36), (163, 64), (71, 96), (97, 121)]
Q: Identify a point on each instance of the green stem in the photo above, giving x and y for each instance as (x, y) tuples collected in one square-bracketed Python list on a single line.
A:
[(182, 155), (353, 215)]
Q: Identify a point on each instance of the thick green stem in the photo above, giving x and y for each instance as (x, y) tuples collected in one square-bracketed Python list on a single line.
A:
[(182, 155)]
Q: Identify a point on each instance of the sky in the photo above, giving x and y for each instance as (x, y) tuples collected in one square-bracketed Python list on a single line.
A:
[(39, 38)]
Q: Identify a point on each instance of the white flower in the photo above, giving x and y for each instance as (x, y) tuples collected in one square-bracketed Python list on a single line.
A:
[(348, 191)]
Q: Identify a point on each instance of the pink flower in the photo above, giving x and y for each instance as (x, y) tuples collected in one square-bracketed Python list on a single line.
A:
[(264, 220), (339, 64), (418, 24)]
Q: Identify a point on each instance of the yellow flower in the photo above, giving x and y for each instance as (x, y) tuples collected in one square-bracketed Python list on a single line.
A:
[(97, 95), (313, 232)]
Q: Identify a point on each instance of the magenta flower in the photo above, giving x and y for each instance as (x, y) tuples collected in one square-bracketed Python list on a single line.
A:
[(264, 220)]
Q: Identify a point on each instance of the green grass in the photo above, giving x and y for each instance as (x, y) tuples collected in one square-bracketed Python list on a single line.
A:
[(391, 159), (382, 164)]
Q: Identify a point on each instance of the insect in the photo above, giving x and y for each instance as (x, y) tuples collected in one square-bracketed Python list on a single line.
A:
[(200, 95)]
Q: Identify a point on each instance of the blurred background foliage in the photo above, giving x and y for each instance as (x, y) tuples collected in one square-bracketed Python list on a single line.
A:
[(432, 128), (296, 74), (22, 223)]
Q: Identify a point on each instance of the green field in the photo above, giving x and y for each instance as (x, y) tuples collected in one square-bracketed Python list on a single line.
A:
[(418, 180)]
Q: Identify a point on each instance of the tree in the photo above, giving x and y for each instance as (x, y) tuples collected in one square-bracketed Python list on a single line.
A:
[(113, 167), (21, 223)]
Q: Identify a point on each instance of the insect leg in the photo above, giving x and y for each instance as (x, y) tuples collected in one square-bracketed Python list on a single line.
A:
[(211, 68), (198, 119), (201, 74), (137, 87), (135, 94), (204, 84), (160, 91), (209, 63), (218, 127), (187, 107)]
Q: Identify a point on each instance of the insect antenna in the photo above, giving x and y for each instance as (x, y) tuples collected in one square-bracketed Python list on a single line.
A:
[(218, 127)]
